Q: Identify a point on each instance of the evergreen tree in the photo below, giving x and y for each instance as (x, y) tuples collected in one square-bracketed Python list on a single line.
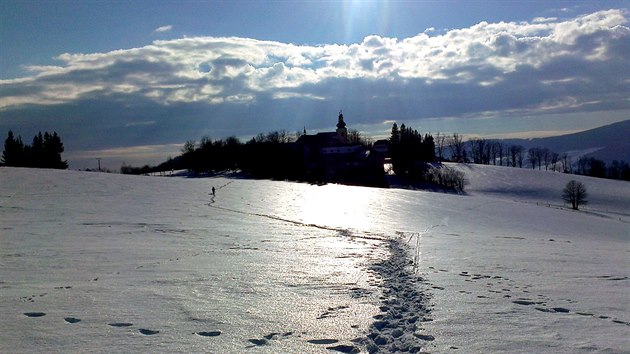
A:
[(407, 149), (395, 138), (37, 153), (13, 151), (44, 153), (53, 147)]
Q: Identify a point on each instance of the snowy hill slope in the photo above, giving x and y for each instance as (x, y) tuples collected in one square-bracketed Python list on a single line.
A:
[(607, 143), (101, 262), (606, 197)]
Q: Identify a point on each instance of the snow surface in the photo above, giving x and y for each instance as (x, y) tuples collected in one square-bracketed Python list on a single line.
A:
[(103, 262)]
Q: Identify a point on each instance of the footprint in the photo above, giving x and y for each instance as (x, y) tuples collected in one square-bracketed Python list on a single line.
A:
[(523, 302), (258, 341), (72, 319), (553, 309), (426, 337), (544, 309), (561, 309), (344, 348), (34, 314), (120, 324), (148, 332), (322, 341), (209, 334)]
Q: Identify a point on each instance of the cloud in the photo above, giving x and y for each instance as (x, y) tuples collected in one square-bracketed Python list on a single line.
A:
[(163, 29), (173, 90)]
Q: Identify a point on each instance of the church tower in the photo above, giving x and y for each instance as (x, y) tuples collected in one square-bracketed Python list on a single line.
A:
[(341, 128)]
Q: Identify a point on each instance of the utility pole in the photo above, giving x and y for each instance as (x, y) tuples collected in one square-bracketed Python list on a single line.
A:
[(99, 163)]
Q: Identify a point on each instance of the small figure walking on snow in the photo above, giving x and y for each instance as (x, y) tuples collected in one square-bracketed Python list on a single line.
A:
[(213, 190)]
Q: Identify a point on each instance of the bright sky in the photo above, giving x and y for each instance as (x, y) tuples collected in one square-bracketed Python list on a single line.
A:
[(132, 80)]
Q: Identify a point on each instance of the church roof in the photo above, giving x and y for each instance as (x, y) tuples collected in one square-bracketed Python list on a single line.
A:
[(321, 140)]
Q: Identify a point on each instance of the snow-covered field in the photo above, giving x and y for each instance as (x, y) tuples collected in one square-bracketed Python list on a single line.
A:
[(113, 263)]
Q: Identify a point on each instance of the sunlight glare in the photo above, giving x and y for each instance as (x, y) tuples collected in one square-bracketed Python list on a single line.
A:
[(337, 206), (359, 15)]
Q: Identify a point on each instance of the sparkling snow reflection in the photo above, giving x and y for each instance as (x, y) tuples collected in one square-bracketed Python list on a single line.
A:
[(132, 264), (333, 205)]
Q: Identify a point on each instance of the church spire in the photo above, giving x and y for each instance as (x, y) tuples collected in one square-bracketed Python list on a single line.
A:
[(341, 128), (341, 124)]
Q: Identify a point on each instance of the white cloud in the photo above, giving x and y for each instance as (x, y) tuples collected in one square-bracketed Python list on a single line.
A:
[(209, 69), (163, 29), (544, 19), (546, 65)]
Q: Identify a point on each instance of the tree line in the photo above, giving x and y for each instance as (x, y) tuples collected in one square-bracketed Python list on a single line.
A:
[(273, 155), (487, 152), (276, 155), (44, 152), (413, 158)]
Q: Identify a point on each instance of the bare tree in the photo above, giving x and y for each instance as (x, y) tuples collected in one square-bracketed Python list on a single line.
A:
[(440, 142), (575, 193), (458, 147), (583, 165), (499, 148), (354, 137), (539, 156), (189, 147), (566, 163), (532, 156), (554, 160), (515, 151), (478, 149), (545, 155), (487, 155), (520, 156)]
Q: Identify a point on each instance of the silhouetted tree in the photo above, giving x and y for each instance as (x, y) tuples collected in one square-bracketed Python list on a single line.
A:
[(498, 151), (583, 166), (44, 153), (53, 147), (395, 136), (13, 151), (545, 156), (458, 148), (575, 194), (532, 156), (619, 170), (554, 160), (36, 154), (478, 150), (355, 138), (408, 148), (566, 163), (440, 143), (515, 155)]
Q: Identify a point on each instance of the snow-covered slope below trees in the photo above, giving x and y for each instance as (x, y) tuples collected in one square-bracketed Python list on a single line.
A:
[(606, 143), (607, 198), (102, 262)]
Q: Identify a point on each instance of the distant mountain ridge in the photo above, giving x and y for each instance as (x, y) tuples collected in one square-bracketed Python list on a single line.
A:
[(606, 143)]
